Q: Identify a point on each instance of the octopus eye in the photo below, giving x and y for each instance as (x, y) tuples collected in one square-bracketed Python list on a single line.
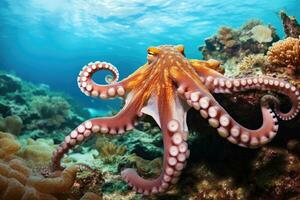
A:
[(152, 53), (180, 48)]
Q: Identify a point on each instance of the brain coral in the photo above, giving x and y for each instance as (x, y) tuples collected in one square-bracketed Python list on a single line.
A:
[(17, 181)]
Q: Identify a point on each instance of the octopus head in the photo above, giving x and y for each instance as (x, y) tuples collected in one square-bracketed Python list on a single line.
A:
[(165, 54)]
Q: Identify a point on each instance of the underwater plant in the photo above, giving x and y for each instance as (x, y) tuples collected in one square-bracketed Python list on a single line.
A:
[(109, 151), (166, 88)]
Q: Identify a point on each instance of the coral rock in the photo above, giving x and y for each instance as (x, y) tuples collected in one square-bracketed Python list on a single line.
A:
[(290, 24)]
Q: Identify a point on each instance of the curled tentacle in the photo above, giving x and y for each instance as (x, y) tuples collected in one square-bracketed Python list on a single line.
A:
[(90, 88), (175, 154), (226, 85), (113, 125)]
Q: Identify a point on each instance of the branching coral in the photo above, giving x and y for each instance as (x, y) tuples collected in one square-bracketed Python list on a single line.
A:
[(284, 55), (252, 64)]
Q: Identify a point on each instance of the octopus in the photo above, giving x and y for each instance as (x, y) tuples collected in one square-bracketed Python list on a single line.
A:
[(166, 87)]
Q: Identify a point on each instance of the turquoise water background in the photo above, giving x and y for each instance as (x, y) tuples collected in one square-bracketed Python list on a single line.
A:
[(48, 41)]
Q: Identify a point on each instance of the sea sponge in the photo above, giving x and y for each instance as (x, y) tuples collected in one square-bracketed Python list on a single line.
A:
[(148, 168), (261, 34), (285, 55)]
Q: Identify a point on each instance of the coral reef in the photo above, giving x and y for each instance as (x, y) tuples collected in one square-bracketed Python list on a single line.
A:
[(290, 25), (35, 111), (217, 169), (230, 46)]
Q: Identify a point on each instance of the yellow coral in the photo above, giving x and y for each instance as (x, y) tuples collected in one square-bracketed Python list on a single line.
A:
[(286, 54), (252, 64)]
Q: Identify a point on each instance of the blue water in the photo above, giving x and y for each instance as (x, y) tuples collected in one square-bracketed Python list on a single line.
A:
[(48, 41)]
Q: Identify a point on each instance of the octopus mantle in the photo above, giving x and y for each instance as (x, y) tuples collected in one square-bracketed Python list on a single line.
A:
[(166, 87)]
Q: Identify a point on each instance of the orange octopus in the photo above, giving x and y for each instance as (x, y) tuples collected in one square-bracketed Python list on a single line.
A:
[(166, 87)]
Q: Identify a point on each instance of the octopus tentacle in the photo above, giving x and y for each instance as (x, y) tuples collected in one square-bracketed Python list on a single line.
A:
[(228, 128), (114, 88), (175, 146), (175, 155), (83, 132), (207, 68), (226, 85), (122, 122), (218, 117)]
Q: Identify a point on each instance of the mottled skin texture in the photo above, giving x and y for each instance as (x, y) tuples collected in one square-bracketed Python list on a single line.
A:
[(165, 88)]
